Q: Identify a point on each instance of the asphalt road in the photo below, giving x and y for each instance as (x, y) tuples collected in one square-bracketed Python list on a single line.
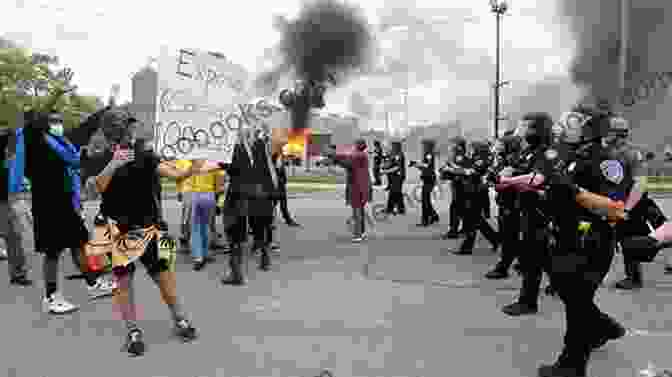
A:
[(397, 305)]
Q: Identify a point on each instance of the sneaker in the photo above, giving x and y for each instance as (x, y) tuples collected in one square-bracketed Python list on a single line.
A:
[(22, 281), (134, 345), (199, 264), (103, 288), (275, 248), (3, 254), (185, 331), (357, 239), (57, 304)]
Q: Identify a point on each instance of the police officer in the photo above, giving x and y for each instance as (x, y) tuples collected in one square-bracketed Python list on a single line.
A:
[(476, 168), (582, 258), (508, 150), (427, 169), (645, 215), (378, 157), (455, 161), (536, 129), (396, 175)]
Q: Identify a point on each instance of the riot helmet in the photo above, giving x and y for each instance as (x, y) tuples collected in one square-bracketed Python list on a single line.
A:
[(428, 146), (596, 123), (510, 144), (535, 128), (459, 145)]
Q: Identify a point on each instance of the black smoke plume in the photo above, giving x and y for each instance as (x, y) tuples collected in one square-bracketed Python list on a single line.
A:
[(596, 25), (328, 38)]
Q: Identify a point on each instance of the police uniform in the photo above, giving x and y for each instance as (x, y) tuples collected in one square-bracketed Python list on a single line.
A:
[(395, 178), (377, 164), (457, 201), (584, 251), (509, 215), (533, 233), (428, 177), (473, 205)]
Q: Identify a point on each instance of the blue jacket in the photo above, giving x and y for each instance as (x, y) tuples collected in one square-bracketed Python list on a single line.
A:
[(17, 180)]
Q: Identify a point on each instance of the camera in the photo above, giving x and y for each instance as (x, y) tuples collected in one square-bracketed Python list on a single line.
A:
[(412, 163)]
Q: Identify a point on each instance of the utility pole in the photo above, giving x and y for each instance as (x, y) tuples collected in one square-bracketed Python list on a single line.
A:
[(624, 47), (499, 8)]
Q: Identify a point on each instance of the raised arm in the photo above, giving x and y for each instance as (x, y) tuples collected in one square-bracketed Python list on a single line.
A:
[(82, 135)]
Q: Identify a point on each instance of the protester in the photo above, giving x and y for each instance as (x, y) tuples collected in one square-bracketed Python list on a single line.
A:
[(184, 195), (264, 195), (237, 205), (52, 165), (358, 187), (281, 171), (201, 196), (128, 192), (19, 233)]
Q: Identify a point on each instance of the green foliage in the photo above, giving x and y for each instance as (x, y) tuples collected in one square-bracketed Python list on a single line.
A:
[(33, 82)]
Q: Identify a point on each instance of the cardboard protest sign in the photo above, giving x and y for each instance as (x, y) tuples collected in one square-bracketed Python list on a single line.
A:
[(199, 96)]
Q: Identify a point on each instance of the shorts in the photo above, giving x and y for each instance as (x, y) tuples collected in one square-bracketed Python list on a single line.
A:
[(150, 259)]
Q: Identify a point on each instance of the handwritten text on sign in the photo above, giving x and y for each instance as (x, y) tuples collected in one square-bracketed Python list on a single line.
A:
[(195, 88), (180, 139)]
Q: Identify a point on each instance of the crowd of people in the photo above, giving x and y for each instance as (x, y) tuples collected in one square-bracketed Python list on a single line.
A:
[(568, 195), (40, 198)]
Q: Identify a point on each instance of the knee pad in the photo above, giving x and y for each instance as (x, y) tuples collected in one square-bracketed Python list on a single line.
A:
[(167, 254)]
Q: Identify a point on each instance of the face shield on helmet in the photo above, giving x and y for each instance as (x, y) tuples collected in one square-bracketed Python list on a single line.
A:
[(619, 130), (572, 124)]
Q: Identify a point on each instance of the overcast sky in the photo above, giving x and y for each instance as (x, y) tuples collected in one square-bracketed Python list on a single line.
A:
[(105, 42)]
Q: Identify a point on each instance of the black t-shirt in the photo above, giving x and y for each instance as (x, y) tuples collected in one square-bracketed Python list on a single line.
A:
[(130, 199)]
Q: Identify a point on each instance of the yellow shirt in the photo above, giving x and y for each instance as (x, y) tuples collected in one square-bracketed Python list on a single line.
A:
[(197, 183)]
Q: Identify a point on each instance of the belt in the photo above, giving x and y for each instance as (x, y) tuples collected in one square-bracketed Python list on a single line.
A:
[(20, 196)]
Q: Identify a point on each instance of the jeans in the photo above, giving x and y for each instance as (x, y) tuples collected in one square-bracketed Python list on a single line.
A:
[(202, 210), (16, 227), (185, 216)]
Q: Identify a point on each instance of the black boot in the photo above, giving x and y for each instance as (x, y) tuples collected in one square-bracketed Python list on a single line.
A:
[(450, 235), (265, 260), (633, 277), (517, 309), (499, 272), (236, 265), (467, 246)]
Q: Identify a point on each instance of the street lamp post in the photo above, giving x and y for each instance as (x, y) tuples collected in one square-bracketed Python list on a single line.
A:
[(499, 8)]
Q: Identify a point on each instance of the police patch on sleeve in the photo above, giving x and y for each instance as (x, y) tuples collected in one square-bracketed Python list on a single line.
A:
[(613, 171)]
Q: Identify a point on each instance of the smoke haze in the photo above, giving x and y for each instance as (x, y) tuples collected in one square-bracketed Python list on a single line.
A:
[(595, 25)]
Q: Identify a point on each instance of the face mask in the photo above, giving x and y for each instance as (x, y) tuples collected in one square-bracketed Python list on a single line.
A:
[(56, 129)]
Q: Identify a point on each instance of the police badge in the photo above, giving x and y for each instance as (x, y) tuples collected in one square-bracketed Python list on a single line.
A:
[(613, 171)]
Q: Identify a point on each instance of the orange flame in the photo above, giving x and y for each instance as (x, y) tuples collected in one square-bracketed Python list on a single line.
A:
[(297, 140)]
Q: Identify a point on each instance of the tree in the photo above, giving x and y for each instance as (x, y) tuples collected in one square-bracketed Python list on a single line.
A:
[(30, 81)]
